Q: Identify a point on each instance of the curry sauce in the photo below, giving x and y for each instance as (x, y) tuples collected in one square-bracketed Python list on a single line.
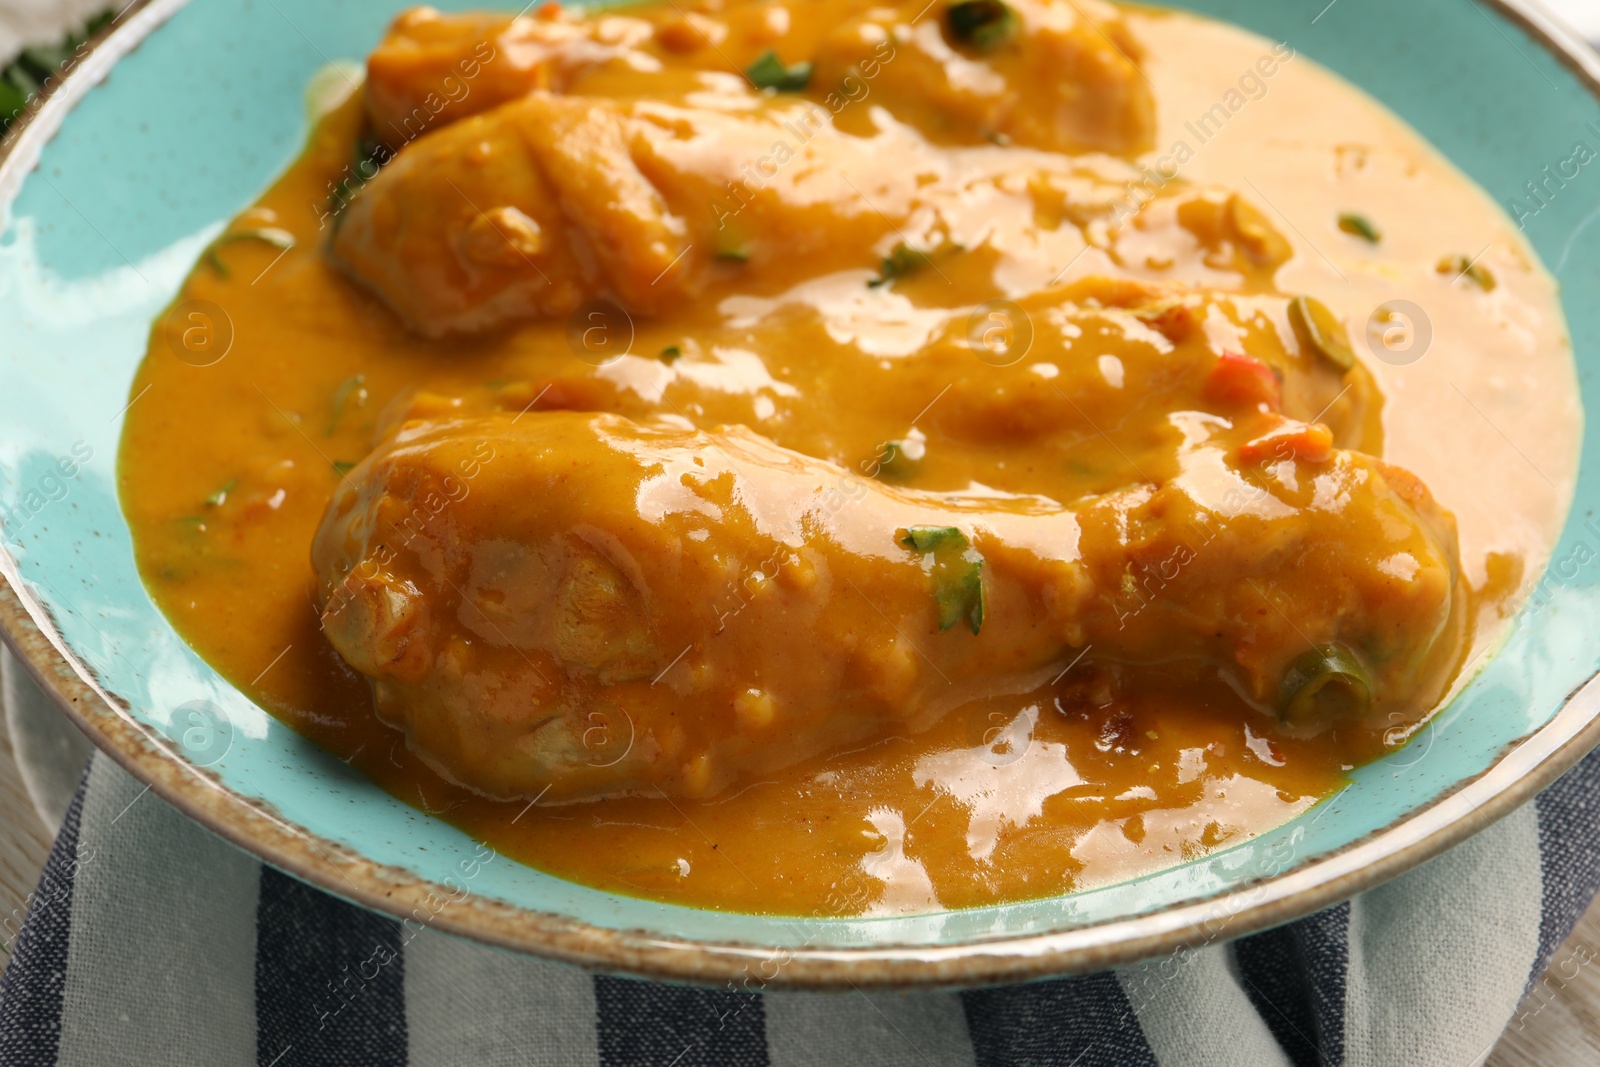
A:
[(800, 455)]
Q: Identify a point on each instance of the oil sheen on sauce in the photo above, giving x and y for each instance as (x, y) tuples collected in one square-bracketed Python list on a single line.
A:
[(225, 475)]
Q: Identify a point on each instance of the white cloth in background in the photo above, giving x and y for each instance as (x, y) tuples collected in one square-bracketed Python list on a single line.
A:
[(25, 23)]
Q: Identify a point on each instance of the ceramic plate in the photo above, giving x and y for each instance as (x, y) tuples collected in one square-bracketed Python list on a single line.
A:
[(176, 120)]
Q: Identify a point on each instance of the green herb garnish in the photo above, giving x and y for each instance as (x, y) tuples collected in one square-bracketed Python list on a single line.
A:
[(342, 467), (22, 79), (892, 461), (670, 353), (216, 499), (272, 235), (1326, 683), (901, 261), (932, 538), (1320, 330), (768, 72), (19, 86), (957, 571), (729, 252), (980, 24), (1359, 226), (1461, 266)]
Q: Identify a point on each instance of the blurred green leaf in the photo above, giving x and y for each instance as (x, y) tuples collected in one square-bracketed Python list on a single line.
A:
[(22, 78)]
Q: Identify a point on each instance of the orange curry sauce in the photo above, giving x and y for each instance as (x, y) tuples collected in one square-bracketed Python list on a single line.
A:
[(1162, 460)]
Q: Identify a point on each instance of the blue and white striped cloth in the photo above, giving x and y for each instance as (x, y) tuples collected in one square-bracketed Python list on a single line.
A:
[(150, 941)]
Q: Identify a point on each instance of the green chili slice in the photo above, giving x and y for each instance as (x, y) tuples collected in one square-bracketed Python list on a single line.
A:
[(1462, 266), (272, 235), (1326, 683), (1318, 328), (980, 24), (1360, 226)]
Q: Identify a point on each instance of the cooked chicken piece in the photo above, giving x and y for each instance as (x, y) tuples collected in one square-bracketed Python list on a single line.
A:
[(540, 162), (524, 212), (1046, 74), (432, 68), (532, 209), (1052, 74), (574, 605)]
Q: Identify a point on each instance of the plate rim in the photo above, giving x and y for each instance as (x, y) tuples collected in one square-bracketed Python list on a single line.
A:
[(1520, 771)]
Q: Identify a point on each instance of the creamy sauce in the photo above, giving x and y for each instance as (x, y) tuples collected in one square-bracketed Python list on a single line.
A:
[(226, 476), (1497, 382)]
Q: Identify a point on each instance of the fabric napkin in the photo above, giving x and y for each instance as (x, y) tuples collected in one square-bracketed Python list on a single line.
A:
[(151, 941)]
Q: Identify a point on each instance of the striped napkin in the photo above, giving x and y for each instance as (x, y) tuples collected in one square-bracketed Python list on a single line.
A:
[(150, 941)]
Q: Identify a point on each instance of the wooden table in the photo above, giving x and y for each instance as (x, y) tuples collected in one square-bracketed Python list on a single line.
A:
[(24, 844), (1558, 1024)]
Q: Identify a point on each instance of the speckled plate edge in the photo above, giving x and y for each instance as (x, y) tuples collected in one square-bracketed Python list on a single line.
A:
[(1520, 772)]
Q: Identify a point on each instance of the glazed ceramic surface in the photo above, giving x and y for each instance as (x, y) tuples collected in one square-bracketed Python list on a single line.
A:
[(110, 192)]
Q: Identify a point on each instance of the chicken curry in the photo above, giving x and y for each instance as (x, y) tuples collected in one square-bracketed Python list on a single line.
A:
[(798, 455)]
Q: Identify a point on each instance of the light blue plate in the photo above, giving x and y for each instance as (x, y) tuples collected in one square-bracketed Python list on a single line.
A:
[(204, 107)]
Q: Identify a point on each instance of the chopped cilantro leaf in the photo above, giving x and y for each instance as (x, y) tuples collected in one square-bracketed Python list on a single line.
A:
[(768, 72), (957, 571), (901, 261)]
